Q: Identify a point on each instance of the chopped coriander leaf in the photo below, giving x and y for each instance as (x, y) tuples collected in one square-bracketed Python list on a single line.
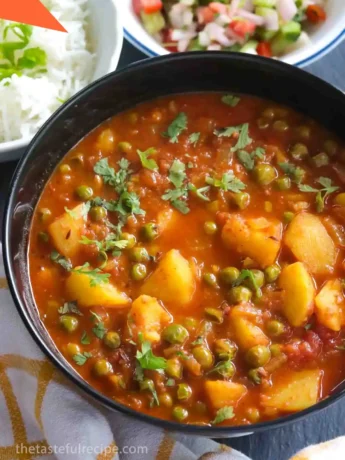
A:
[(200, 191), (177, 176), (177, 173), (69, 307), (194, 138), (198, 341), (95, 317), (294, 172), (222, 368), (170, 383), (85, 339), (181, 206), (176, 128), (248, 159), (115, 179), (155, 399), (228, 182), (99, 330), (230, 99), (138, 373), (148, 360), (60, 260), (85, 208), (248, 274), (81, 358), (190, 165), (145, 161), (129, 203), (226, 132), (108, 244), (95, 275), (321, 194), (225, 413), (243, 139)]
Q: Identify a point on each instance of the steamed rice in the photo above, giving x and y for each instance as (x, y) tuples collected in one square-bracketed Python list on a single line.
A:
[(25, 103)]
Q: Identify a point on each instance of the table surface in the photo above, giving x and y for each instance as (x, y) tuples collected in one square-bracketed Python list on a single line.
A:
[(279, 444)]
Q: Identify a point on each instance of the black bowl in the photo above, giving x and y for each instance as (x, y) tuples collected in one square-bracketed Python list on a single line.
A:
[(179, 73)]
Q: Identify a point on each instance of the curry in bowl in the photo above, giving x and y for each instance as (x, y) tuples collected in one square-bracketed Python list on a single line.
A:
[(186, 259)]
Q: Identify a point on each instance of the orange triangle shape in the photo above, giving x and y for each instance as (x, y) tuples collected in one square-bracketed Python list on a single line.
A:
[(29, 12)]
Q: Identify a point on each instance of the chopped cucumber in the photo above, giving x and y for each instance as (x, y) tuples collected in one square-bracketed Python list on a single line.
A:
[(194, 45), (250, 47), (264, 34), (153, 22), (265, 3), (288, 34)]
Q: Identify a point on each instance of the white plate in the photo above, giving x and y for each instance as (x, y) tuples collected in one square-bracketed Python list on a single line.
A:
[(324, 37), (106, 33)]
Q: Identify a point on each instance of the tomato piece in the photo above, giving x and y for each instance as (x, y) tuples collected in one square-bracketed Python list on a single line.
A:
[(167, 38), (242, 27), (136, 6), (205, 15), (151, 6), (264, 49), (315, 14), (218, 7)]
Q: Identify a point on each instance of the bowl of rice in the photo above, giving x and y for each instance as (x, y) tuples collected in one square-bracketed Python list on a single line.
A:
[(294, 31), (41, 69)]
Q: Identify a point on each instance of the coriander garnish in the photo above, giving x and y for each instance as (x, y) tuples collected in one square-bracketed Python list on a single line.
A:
[(321, 194), (147, 162), (228, 182), (176, 128)]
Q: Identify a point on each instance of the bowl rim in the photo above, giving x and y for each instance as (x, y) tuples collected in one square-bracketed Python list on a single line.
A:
[(63, 366), (23, 142)]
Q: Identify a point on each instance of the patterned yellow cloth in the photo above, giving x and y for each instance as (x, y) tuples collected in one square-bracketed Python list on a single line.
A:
[(43, 417)]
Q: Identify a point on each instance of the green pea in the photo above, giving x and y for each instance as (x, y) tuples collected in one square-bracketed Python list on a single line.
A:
[(65, 169), (149, 231), (102, 367), (229, 275), (280, 126), (191, 323), (210, 279), (139, 255), (340, 199), (138, 272), (112, 339), (125, 147), (165, 400), (224, 349), (147, 384), (304, 131), (214, 315), (131, 239), (254, 376), (288, 216), (184, 391), (43, 237), (264, 173), (44, 214), (210, 228), (203, 355), (84, 192), (263, 123), (331, 147), (98, 213), (179, 413), (321, 159), (269, 113), (299, 151), (283, 183), (239, 294), (69, 323), (275, 328), (175, 333), (272, 273), (258, 356), (174, 368), (241, 200), (259, 278), (275, 349)]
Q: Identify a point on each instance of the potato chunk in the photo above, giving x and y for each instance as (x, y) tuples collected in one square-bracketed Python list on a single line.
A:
[(298, 391), (148, 317), (221, 393), (308, 240), (247, 334), (257, 238), (330, 305), (66, 231), (78, 288), (298, 293), (172, 281)]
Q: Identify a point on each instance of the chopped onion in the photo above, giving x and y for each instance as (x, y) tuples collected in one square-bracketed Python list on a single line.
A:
[(256, 19), (248, 5), (176, 15), (287, 9), (233, 7), (204, 39), (214, 47), (271, 19), (222, 20), (217, 33), (182, 45), (178, 34), (187, 18)]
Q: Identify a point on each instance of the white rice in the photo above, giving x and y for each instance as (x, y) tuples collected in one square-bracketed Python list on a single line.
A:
[(25, 103)]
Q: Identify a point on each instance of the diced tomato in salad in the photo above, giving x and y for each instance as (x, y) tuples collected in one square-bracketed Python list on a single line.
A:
[(242, 27), (205, 15), (264, 49), (315, 14), (147, 6)]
